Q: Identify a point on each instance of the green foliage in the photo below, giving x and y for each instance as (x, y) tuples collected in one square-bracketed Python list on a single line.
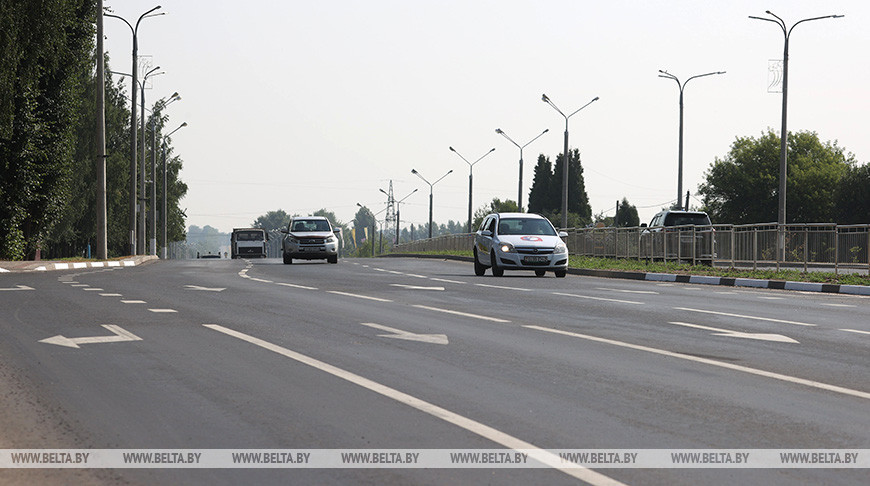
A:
[(626, 215), (272, 220), (44, 50), (545, 196), (743, 187), (495, 206), (852, 196)]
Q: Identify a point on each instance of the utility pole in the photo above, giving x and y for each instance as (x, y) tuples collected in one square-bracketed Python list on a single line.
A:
[(102, 246)]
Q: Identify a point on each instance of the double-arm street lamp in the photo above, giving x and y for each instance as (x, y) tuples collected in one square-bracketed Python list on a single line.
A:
[(399, 210), (470, 178), (667, 75), (165, 186), (152, 215), (521, 147), (567, 156), (431, 185), (132, 202), (783, 154)]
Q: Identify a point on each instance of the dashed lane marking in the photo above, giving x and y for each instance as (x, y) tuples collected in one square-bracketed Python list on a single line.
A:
[(463, 314), (619, 301), (756, 318), (376, 299)]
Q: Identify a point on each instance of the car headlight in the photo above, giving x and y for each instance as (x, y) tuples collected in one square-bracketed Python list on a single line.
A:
[(292, 239), (331, 239), (561, 248), (506, 248)]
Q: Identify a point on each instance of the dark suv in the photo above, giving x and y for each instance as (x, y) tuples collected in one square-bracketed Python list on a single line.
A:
[(681, 235)]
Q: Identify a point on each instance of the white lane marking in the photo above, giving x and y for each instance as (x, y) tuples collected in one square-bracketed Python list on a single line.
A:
[(721, 364), (463, 314), (163, 311), (598, 298), (415, 275), (296, 286), (485, 431), (376, 299), (448, 281), (205, 289), (856, 330), (502, 287), (133, 301), (110, 295), (20, 287), (408, 336), (261, 280), (628, 291), (416, 287), (769, 298), (93, 289), (737, 334), (768, 319), (840, 305), (726, 293), (121, 335)]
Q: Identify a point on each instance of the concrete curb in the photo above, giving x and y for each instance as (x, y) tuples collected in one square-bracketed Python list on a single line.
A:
[(692, 279), (46, 265)]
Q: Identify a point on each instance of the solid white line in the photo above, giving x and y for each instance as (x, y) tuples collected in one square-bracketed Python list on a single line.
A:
[(855, 330), (721, 364), (745, 317), (629, 291), (840, 305), (502, 287), (110, 295), (485, 431), (463, 314), (133, 301), (598, 298), (163, 311), (92, 289), (416, 287), (377, 299), (296, 286)]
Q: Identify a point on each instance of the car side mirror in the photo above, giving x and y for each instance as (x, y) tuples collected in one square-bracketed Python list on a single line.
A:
[(337, 231), (285, 230), (486, 233), (563, 234)]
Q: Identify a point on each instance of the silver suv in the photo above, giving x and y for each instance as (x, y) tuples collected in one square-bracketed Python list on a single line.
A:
[(519, 241), (310, 238)]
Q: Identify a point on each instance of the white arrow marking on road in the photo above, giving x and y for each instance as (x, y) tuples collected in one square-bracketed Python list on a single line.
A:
[(408, 336), (207, 289), (746, 335), (416, 287), (20, 287), (121, 335)]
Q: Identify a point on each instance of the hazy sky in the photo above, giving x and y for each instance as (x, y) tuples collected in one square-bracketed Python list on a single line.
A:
[(306, 105)]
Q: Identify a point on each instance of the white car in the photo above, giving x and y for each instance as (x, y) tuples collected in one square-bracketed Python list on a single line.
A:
[(519, 241), (310, 238)]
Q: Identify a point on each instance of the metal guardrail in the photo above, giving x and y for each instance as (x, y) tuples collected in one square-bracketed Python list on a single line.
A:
[(753, 245)]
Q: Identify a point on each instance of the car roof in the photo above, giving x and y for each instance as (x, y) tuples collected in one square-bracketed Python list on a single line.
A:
[(309, 217), (519, 215)]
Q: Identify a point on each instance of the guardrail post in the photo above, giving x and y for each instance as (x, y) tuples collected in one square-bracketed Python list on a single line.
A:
[(836, 250), (806, 247), (755, 248)]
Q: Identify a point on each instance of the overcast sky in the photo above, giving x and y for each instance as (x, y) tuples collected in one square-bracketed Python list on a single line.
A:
[(301, 105)]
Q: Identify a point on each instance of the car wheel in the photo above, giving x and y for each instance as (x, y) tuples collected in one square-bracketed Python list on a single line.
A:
[(332, 259), (287, 259), (561, 273), (497, 271), (479, 268), (540, 273)]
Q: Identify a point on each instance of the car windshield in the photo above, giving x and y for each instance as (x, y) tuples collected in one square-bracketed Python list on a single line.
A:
[(525, 226), (249, 236), (307, 225), (675, 219)]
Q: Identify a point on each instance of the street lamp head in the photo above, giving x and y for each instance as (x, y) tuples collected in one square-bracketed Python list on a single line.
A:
[(491, 150), (449, 172), (498, 130), (452, 150), (544, 98), (413, 171), (595, 99), (183, 124), (546, 130)]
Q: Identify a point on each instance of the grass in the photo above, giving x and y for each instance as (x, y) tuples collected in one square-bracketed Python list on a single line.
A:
[(688, 269)]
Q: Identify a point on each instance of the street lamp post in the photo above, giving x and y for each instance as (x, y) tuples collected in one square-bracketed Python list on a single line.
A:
[(667, 75), (567, 157), (165, 186), (431, 185), (132, 201), (152, 215), (140, 240), (521, 147), (470, 178), (399, 210), (783, 147)]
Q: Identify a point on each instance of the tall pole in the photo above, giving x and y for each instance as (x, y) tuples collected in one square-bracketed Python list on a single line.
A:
[(521, 147), (140, 240), (165, 186), (547, 100), (783, 147), (667, 75), (398, 208), (132, 183), (102, 245), (431, 186), (152, 214), (471, 178)]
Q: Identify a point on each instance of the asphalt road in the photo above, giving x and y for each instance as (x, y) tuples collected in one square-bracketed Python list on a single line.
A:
[(420, 354)]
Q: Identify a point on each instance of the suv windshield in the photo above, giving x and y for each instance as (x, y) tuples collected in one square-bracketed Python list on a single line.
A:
[(677, 219), (249, 236), (525, 226), (306, 225)]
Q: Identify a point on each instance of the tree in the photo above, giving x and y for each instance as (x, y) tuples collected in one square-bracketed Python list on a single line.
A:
[(272, 221), (44, 53), (852, 196), (363, 222), (495, 206), (743, 187), (626, 215), (330, 216), (545, 196), (539, 195)]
